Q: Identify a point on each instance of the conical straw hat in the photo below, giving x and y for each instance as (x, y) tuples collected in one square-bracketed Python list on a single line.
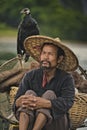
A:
[(33, 46)]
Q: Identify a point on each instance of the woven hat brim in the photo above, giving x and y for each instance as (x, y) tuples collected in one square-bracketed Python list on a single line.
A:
[(33, 45)]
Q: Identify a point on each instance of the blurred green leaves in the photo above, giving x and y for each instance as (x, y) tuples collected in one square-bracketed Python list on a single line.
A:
[(54, 19)]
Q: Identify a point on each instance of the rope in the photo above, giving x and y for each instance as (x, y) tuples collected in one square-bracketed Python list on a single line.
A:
[(83, 72), (13, 126), (8, 120)]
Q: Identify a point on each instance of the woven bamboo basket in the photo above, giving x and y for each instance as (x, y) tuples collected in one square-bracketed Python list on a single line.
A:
[(78, 112)]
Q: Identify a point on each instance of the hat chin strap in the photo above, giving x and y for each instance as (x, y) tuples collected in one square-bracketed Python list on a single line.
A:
[(60, 59)]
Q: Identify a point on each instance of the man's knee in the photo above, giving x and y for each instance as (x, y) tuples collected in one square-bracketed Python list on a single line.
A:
[(29, 92), (49, 94), (23, 114)]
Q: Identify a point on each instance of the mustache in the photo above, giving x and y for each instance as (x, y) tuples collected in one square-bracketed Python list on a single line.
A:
[(41, 62)]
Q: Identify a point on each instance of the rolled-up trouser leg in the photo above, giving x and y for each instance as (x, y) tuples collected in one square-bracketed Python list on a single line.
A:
[(58, 124), (49, 94), (27, 111)]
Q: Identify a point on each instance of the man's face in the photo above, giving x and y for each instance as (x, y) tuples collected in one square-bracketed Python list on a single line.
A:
[(48, 57)]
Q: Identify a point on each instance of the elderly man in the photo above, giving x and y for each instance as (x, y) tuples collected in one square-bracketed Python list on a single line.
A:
[(46, 94)]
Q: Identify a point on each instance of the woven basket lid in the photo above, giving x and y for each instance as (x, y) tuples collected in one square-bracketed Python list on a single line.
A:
[(33, 45)]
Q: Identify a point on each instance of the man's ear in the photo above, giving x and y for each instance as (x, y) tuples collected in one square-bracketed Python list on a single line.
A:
[(60, 59)]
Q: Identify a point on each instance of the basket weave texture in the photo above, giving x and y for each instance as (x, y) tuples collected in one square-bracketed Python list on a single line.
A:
[(78, 112)]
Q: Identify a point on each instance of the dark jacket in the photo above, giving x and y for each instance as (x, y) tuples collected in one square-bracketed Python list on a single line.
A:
[(62, 84)]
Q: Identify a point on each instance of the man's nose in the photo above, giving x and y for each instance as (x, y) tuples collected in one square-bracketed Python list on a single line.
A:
[(46, 56)]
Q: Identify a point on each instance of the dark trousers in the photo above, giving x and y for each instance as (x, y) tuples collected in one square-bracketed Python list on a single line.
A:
[(58, 124)]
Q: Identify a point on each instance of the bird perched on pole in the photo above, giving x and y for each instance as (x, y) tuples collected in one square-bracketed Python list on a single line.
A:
[(27, 27)]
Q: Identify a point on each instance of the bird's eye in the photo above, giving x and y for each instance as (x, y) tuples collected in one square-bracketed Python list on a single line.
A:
[(25, 9)]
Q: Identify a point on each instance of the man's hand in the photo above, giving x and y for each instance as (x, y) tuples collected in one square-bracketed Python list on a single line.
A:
[(42, 103), (32, 102), (25, 101)]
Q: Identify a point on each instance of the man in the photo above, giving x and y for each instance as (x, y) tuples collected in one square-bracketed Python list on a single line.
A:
[(46, 94)]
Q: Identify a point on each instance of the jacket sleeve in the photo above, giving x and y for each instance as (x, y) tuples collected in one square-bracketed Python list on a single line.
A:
[(63, 103)]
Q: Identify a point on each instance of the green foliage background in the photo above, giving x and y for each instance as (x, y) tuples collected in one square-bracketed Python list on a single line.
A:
[(53, 18)]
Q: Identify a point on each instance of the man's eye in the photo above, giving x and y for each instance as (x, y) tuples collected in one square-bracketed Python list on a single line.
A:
[(51, 54), (43, 52)]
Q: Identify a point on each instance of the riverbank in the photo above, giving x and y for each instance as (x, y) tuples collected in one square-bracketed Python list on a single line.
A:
[(11, 39), (6, 39), (8, 45)]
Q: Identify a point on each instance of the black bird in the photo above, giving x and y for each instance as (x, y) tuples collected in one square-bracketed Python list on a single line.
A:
[(27, 27)]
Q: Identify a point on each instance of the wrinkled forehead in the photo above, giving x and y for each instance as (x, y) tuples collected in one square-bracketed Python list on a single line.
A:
[(49, 44)]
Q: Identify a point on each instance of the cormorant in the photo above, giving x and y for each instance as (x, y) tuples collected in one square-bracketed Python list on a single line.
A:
[(27, 27)]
